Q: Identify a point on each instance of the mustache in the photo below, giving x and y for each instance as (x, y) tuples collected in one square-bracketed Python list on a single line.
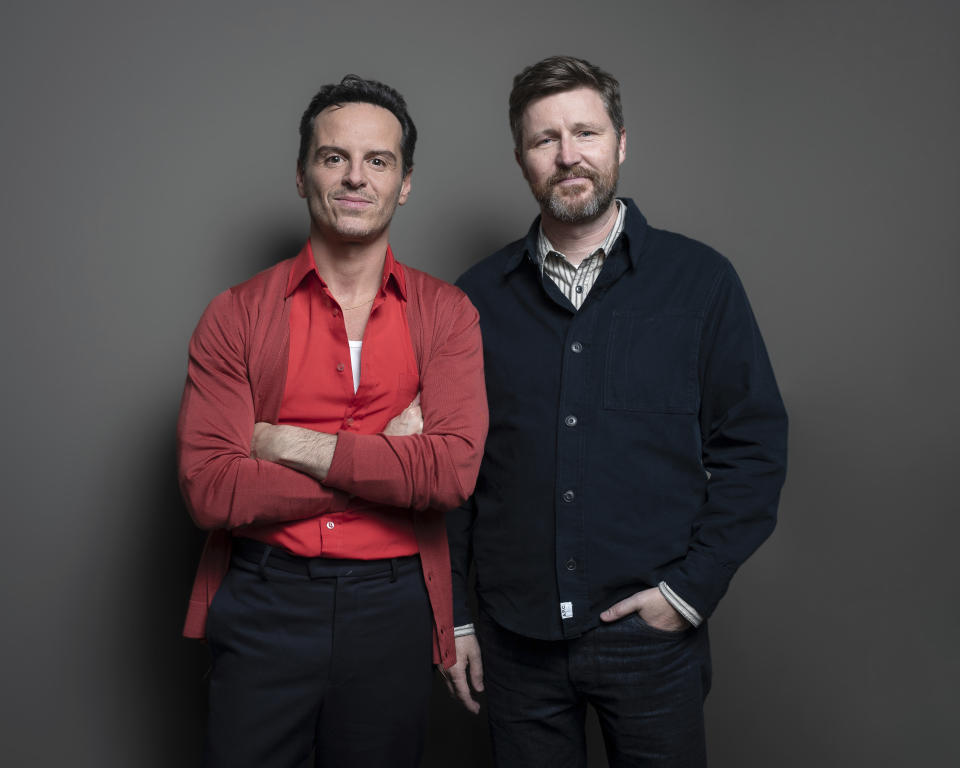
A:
[(573, 173)]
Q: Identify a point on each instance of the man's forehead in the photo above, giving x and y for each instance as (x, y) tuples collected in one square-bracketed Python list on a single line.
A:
[(579, 103), (358, 117)]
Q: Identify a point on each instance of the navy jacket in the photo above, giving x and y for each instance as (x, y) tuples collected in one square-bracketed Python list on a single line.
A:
[(639, 439)]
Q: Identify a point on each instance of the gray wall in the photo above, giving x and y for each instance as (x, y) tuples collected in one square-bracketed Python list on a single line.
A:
[(148, 162)]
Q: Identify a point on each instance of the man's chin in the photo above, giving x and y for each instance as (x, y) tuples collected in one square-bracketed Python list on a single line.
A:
[(573, 211)]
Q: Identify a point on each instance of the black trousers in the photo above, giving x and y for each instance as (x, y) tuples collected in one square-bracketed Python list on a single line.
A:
[(324, 655)]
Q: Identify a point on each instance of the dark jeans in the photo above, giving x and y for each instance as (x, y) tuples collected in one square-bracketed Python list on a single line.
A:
[(647, 686), (327, 654)]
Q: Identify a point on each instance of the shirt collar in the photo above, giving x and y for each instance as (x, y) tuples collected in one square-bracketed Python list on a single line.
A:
[(304, 264), (633, 235), (545, 247)]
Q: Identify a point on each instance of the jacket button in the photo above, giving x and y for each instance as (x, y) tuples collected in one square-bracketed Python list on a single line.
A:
[(568, 496), (571, 564), (576, 347), (570, 421), (340, 367)]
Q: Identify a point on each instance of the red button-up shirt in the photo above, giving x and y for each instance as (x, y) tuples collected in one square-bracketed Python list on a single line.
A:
[(319, 395)]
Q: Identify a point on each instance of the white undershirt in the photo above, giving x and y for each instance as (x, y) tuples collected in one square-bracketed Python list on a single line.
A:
[(355, 362)]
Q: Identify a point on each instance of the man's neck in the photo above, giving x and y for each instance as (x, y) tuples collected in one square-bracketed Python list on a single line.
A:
[(353, 271), (577, 241)]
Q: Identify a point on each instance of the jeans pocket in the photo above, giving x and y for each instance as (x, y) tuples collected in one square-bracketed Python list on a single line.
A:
[(644, 628)]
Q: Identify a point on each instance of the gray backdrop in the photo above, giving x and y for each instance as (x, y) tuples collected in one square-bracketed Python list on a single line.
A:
[(148, 162)]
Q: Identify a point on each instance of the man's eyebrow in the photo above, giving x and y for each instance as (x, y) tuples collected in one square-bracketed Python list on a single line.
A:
[(327, 148), (330, 148), (591, 126), (385, 152)]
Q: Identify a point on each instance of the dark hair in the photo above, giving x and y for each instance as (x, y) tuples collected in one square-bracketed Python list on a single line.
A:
[(350, 90), (557, 74)]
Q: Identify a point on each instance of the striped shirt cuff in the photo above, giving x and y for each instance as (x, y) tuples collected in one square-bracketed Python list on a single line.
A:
[(463, 629), (680, 605)]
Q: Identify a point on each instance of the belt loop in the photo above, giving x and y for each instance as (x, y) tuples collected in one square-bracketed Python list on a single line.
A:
[(262, 570), (393, 569)]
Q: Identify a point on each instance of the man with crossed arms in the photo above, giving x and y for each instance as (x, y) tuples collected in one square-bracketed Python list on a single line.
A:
[(333, 411)]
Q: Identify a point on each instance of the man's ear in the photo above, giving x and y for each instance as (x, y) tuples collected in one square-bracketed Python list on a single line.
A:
[(405, 188), (622, 149), (300, 190), (518, 157)]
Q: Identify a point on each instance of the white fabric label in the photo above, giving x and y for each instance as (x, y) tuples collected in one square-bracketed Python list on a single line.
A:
[(566, 610)]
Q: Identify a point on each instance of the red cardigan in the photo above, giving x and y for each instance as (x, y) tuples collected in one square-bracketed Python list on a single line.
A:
[(235, 376)]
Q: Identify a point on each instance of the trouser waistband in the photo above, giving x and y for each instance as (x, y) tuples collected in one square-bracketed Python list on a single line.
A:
[(261, 556)]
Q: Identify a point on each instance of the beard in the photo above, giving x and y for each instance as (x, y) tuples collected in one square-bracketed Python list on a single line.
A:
[(575, 208)]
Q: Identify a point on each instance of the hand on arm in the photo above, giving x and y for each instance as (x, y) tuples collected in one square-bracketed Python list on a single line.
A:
[(311, 452), (466, 676), (408, 422), (652, 607), (436, 469)]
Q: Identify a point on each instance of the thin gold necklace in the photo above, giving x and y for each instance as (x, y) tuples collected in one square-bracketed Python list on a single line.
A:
[(357, 306)]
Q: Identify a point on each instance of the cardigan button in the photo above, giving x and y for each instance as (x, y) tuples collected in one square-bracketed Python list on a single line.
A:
[(339, 367), (568, 496), (571, 564), (570, 421), (576, 347)]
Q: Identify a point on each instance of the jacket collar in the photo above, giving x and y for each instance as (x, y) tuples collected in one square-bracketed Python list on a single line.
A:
[(634, 231)]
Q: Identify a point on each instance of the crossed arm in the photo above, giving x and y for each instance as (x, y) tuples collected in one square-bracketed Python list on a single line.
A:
[(312, 452), (237, 471)]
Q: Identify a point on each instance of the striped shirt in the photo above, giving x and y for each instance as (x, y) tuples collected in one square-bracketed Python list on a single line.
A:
[(576, 282)]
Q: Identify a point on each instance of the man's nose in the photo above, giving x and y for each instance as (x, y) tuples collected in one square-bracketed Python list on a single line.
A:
[(569, 153), (353, 175)]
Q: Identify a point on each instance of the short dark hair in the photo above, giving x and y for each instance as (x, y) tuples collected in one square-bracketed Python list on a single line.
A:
[(557, 74), (352, 90)]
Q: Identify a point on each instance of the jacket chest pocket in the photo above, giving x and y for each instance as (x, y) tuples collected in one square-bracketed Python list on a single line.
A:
[(651, 363)]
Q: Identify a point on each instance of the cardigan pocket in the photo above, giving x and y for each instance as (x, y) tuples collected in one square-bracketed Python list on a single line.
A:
[(651, 363)]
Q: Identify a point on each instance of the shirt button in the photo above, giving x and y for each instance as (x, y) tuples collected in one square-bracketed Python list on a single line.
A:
[(571, 564), (568, 496), (576, 347), (570, 421), (330, 525), (339, 367), (579, 289)]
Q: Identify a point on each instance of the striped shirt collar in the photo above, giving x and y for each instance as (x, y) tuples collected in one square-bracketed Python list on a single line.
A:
[(576, 282)]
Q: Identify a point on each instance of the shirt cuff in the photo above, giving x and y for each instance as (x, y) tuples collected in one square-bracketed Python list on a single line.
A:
[(463, 629), (680, 605)]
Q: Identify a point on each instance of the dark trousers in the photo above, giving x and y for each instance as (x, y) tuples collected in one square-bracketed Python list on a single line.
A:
[(333, 656), (647, 686)]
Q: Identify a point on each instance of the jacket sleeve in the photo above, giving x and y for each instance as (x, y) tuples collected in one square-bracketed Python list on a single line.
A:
[(224, 487), (743, 428), (460, 538), (438, 468)]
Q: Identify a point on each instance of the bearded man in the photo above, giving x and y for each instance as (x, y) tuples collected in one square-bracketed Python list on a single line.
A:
[(636, 452)]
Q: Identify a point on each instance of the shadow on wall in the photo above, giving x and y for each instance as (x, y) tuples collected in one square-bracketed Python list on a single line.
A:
[(167, 672)]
